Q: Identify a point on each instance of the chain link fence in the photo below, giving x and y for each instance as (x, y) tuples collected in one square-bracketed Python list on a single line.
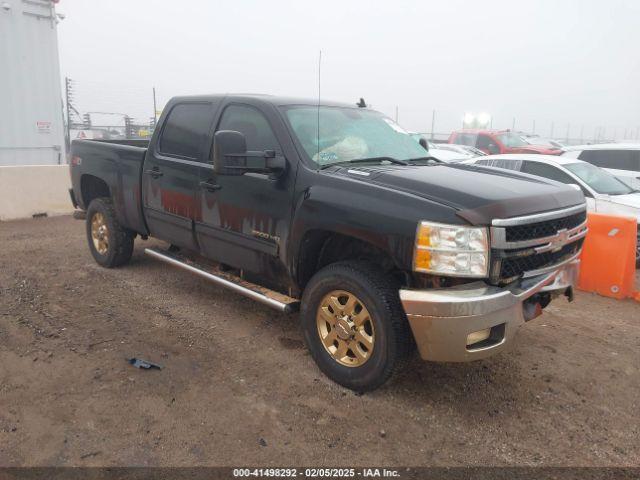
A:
[(103, 111), (100, 110)]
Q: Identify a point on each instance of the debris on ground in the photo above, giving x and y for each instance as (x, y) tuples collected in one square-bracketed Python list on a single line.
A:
[(146, 364)]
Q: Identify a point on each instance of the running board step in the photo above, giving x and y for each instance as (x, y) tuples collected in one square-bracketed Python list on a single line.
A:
[(263, 295)]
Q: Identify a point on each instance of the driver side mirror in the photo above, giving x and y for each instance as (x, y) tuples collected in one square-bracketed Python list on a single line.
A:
[(230, 156), (493, 148), (423, 143)]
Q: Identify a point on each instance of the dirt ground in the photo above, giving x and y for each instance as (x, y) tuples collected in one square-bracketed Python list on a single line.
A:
[(238, 387)]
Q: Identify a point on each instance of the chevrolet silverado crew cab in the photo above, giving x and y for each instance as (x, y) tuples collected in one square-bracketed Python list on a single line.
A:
[(335, 211)]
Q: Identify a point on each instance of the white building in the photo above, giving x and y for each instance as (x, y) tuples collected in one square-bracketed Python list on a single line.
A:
[(31, 113)]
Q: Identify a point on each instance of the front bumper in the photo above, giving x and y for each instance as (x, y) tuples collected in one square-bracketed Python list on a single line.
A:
[(442, 319)]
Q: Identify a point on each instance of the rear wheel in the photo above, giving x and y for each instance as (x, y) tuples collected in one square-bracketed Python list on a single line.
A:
[(354, 325), (110, 244)]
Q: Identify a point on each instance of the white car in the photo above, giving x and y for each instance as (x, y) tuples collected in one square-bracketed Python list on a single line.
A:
[(537, 140), (466, 150), (443, 151), (621, 159), (603, 191)]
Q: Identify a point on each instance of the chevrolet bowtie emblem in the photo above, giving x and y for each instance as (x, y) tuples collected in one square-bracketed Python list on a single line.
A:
[(556, 243)]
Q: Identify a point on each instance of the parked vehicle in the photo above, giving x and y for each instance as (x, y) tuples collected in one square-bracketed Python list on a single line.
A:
[(542, 141), (604, 192), (446, 152), (620, 159), (493, 142), (464, 149), (336, 211)]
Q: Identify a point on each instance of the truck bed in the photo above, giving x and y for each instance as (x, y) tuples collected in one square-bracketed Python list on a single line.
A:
[(118, 163)]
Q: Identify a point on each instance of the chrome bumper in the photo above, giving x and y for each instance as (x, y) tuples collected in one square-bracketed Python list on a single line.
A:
[(442, 319)]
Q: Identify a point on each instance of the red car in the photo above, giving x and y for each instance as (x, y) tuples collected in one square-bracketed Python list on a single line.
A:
[(495, 142)]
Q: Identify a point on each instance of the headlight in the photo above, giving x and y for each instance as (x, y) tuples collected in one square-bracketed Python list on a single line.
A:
[(453, 250)]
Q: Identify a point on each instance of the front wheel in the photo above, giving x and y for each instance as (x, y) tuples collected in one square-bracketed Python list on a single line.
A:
[(111, 244), (354, 325)]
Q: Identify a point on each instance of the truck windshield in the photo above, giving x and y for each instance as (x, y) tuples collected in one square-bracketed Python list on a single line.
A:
[(511, 140), (348, 134), (598, 179)]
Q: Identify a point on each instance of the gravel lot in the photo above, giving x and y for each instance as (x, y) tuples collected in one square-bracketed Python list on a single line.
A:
[(239, 388)]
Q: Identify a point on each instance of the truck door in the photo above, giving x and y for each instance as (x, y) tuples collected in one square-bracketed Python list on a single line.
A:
[(245, 218), (170, 174)]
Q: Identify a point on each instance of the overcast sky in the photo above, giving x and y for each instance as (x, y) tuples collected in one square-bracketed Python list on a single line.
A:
[(571, 62)]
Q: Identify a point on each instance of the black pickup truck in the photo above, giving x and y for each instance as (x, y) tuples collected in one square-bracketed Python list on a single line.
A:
[(336, 211)]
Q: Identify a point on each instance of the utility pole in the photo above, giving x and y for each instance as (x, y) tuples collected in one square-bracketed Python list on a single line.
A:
[(433, 121), (155, 108), (513, 125), (68, 96), (582, 133)]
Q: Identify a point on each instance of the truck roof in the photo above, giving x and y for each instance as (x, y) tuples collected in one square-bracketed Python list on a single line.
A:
[(276, 100), (604, 146)]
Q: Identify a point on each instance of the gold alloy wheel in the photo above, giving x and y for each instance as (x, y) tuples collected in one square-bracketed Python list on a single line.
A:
[(345, 328), (100, 233)]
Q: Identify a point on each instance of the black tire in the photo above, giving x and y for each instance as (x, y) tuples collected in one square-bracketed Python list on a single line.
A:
[(378, 292), (120, 240)]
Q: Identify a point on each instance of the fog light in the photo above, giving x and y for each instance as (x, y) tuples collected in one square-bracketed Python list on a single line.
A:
[(478, 336)]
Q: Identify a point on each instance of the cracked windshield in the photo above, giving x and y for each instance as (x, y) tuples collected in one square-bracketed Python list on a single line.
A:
[(348, 134)]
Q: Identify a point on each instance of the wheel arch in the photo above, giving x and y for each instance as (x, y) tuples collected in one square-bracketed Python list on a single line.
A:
[(92, 187), (320, 248)]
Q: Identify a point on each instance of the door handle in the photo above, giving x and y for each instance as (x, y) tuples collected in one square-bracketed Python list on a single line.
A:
[(210, 187), (155, 173)]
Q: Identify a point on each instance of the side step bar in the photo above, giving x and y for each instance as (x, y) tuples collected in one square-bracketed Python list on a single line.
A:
[(268, 297)]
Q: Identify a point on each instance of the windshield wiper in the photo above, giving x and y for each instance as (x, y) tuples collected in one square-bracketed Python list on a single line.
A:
[(365, 160)]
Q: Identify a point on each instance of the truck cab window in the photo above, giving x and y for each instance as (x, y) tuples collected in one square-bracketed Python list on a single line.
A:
[(486, 143), (616, 159), (547, 171), (465, 139), (252, 124), (186, 130)]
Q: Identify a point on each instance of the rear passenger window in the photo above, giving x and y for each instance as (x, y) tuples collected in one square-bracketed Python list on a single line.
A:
[(186, 129), (547, 171), (252, 124), (501, 163), (616, 159)]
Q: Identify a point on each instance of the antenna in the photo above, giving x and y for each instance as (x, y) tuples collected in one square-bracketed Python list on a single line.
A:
[(318, 124)]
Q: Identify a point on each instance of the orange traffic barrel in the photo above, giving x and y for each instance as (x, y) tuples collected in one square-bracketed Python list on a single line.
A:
[(608, 260)]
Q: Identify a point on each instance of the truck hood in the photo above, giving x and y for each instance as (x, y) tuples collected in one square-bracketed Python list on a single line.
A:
[(478, 194)]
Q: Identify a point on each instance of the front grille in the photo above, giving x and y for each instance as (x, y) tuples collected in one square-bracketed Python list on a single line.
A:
[(513, 264), (544, 229), (521, 248)]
